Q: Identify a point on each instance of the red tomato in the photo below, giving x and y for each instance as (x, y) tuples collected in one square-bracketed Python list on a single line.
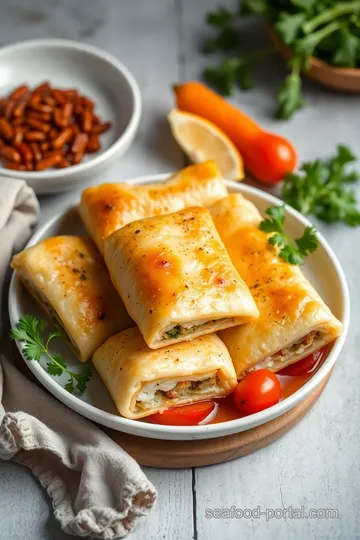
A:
[(187, 415), (305, 366), (270, 157), (259, 390)]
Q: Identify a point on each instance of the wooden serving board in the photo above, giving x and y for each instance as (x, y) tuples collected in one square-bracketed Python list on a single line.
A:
[(166, 454), (180, 454)]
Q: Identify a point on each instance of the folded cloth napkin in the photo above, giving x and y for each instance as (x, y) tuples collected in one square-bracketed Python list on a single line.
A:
[(96, 488)]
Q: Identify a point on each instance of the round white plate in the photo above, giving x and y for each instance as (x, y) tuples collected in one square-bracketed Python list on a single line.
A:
[(96, 74), (322, 268)]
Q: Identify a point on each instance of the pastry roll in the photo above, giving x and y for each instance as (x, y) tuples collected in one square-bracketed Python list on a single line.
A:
[(294, 321), (142, 381), (69, 279), (176, 278), (106, 208)]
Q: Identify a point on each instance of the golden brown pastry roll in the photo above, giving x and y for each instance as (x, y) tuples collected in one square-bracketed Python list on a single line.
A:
[(106, 208), (69, 279), (143, 381), (294, 321), (176, 278)]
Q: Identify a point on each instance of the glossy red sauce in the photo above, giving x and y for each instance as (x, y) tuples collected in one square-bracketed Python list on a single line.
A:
[(289, 385)]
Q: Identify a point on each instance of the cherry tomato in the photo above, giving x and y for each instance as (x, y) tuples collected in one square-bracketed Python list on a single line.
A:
[(259, 390), (305, 366), (270, 158), (187, 415)]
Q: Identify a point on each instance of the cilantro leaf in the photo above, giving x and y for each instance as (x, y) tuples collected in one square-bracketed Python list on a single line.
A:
[(289, 25), (29, 330), (308, 243), (230, 72), (32, 351), (346, 53), (53, 369), (82, 379), (69, 386), (224, 76), (290, 98), (342, 157), (276, 221), (307, 45), (293, 254), (28, 326), (320, 188), (340, 206), (227, 39)]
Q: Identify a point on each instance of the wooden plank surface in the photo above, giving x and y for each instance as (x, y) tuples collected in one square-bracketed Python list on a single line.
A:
[(316, 464)]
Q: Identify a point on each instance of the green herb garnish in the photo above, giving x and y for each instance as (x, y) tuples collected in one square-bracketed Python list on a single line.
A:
[(325, 29), (174, 332), (29, 330), (290, 252), (320, 188)]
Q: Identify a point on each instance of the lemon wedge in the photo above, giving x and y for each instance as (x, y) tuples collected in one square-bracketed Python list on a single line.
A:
[(202, 140)]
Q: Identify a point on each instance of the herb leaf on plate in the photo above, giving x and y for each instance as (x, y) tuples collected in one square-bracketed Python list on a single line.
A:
[(29, 330), (290, 252)]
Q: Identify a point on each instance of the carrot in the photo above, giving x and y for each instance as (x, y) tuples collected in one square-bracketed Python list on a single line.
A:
[(266, 155)]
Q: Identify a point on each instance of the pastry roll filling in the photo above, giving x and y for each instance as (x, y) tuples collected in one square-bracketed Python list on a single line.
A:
[(162, 394), (176, 278), (143, 381), (312, 342), (69, 279), (186, 329)]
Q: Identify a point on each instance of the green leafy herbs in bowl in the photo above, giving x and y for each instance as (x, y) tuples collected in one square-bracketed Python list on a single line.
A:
[(320, 36)]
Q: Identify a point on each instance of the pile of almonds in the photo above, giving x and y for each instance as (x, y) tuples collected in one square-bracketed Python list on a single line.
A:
[(47, 127)]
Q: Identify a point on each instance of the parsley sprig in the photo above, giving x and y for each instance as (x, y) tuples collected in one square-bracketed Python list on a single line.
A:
[(29, 330), (290, 252), (326, 29), (321, 188)]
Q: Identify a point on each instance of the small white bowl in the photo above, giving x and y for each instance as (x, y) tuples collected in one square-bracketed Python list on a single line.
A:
[(322, 268), (98, 75)]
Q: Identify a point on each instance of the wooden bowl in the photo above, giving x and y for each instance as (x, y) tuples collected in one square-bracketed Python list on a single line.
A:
[(338, 78)]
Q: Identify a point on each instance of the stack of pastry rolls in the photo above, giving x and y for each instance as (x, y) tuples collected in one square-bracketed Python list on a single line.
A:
[(179, 286), (184, 293)]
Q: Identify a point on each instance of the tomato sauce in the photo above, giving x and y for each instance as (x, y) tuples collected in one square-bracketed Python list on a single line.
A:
[(293, 378), (289, 385)]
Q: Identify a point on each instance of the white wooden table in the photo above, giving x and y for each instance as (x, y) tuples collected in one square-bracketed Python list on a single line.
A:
[(316, 465)]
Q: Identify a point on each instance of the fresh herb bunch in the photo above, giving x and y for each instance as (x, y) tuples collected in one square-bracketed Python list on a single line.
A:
[(290, 252), (320, 188), (29, 330), (326, 29)]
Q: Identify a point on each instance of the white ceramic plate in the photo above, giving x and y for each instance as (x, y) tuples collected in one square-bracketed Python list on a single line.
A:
[(96, 74), (322, 268)]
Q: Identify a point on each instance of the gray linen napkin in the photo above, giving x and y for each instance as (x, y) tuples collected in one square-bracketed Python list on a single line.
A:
[(96, 488)]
